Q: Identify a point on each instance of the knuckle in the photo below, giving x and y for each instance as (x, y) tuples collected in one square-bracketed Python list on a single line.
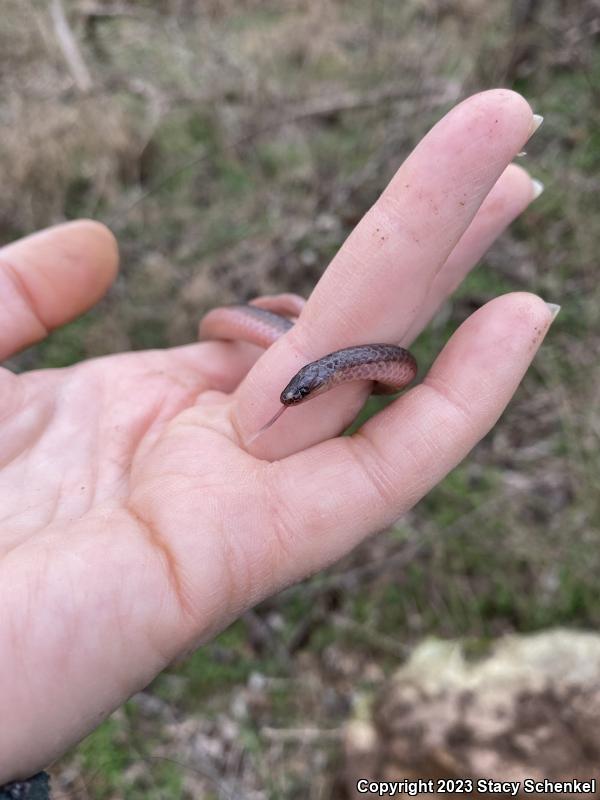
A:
[(282, 520), (380, 474)]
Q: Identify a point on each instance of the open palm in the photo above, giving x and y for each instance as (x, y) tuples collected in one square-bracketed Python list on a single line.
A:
[(134, 520)]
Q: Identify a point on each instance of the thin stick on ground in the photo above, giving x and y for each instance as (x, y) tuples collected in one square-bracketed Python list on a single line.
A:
[(69, 48)]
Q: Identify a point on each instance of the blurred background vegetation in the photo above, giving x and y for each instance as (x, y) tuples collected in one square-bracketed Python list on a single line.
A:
[(231, 147)]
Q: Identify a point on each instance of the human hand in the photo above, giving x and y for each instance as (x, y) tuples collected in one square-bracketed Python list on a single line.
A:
[(135, 524)]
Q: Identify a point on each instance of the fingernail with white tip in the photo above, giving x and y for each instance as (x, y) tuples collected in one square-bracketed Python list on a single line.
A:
[(535, 123), (554, 309), (538, 187)]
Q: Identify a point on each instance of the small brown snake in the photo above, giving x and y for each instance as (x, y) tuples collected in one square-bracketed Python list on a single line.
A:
[(265, 319)]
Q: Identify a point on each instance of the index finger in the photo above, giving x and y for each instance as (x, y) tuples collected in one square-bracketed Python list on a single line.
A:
[(375, 285)]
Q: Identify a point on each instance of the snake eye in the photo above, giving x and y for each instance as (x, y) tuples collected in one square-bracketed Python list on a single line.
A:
[(295, 392), (304, 385)]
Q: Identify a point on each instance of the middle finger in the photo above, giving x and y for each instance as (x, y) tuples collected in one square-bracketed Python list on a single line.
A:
[(375, 286)]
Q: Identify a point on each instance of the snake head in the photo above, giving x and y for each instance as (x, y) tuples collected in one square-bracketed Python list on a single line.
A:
[(306, 384)]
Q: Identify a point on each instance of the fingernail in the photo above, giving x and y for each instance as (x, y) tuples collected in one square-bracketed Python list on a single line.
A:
[(538, 187), (554, 309), (522, 153), (535, 123)]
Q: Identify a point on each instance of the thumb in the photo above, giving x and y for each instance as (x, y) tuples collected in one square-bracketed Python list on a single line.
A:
[(51, 277)]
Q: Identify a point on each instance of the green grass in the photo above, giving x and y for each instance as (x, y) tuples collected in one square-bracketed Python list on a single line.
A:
[(213, 669), (107, 754), (103, 753), (66, 345)]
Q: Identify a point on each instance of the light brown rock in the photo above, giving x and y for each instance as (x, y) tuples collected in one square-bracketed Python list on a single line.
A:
[(529, 709)]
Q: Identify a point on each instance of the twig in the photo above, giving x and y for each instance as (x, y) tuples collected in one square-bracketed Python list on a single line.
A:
[(437, 94), (384, 643), (303, 735), (68, 45)]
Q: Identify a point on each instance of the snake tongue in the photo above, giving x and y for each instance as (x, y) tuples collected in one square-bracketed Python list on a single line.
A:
[(266, 426)]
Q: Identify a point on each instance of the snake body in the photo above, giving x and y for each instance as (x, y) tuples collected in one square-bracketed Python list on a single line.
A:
[(390, 367)]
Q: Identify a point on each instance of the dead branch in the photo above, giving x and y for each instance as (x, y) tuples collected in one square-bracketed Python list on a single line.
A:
[(377, 640), (436, 94), (68, 45), (302, 735)]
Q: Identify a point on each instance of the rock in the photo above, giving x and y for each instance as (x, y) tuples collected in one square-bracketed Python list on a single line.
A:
[(529, 709)]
